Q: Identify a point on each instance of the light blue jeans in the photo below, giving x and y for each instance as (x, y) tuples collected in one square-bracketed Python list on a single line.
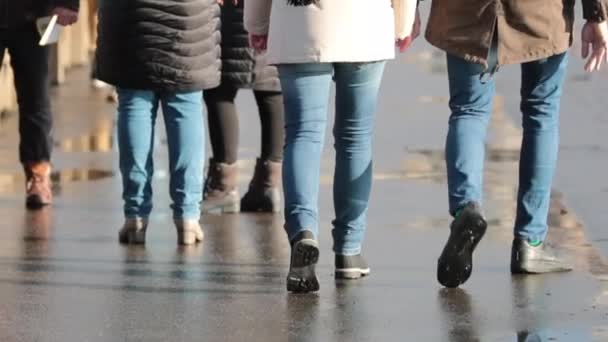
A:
[(306, 89), (185, 138), (471, 96)]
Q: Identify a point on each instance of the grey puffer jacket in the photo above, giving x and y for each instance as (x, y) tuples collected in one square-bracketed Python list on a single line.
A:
[(242, 67), (160, 45)]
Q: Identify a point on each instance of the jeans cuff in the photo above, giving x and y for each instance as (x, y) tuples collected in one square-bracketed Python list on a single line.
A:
[(141, 217), (299, 223), (341, 250), (137, 213), (531, 237)]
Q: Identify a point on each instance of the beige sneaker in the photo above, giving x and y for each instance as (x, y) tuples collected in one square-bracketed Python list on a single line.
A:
[(189, 232), (133, 231)]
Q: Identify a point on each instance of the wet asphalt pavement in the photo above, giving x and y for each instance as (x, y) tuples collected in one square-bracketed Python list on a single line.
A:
[(64, 277)]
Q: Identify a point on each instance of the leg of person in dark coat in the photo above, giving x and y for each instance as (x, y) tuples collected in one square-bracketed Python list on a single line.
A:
[(221, 192), (264, 192)]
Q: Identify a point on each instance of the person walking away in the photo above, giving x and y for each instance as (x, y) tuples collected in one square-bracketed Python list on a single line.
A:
[(243, 67), (313, 43), (478, 40), (29, 61), (160, 54)]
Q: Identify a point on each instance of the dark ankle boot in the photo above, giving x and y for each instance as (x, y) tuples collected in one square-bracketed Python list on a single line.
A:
[(264, 194), (221, 191)]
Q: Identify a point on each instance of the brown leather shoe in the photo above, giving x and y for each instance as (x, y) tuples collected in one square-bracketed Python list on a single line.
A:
[(38, 184)]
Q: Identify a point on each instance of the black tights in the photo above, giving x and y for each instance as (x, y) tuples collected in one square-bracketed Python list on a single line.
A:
[(224, 123)]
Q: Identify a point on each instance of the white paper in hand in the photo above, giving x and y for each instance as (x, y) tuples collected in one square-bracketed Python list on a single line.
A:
[(49, 30), (405, 14)]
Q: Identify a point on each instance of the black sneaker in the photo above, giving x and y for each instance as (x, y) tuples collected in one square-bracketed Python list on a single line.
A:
[(351, 266), (304, 257), (456, 261), (528, 259)]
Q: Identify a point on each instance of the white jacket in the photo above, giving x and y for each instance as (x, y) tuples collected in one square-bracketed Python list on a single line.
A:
[(337, 31)]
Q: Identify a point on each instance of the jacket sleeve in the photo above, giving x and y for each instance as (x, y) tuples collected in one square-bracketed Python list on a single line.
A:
[(595, 10), (405, 15), (71, 4), (257, 16)]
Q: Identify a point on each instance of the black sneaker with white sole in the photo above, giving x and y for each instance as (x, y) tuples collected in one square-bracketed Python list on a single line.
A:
[(304, 256), (351, 267), (455, 264)]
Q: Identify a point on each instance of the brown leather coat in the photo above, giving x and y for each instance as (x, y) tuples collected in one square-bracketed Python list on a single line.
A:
[(527, 29)]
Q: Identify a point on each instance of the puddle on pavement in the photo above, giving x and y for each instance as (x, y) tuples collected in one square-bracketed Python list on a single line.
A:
[(87, 143), (80, 175), (12, 181), (100, 140)]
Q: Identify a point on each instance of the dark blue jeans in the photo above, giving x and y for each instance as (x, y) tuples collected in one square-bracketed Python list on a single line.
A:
[(306, 95), (471, 104)]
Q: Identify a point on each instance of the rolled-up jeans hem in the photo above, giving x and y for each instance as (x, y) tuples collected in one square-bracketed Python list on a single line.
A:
[(295, 225), (347, 251)]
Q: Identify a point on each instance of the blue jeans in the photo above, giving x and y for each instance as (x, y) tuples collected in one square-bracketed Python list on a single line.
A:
[(306, 90), (185, 138), (471, 97)]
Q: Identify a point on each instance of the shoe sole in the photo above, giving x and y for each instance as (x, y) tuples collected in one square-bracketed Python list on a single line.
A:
[(189, 237), (227, 208), (456, 261), (352, 273), (265, 207), (34, 203), (302, 277), (266, 203), (529, 269), (134, 237)]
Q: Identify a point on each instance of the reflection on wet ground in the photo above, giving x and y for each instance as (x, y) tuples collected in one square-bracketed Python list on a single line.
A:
[(56, 277), (80, 175), (14, 182), (99, 139)]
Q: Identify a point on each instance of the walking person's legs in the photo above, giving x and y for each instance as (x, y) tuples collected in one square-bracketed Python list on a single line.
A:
[(136, 121), (185, 139), (221, 185), (357, 87), (541, 90), (471, 96), (31, 71), (264, 193), (305, 95)]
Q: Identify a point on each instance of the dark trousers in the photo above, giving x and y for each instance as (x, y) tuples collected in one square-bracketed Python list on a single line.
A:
[(224, 123), (30, 67)]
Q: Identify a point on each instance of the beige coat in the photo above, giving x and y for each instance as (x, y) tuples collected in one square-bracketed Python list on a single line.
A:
[(337, 31)]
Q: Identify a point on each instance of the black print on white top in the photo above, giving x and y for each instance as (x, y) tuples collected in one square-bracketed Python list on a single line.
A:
[(303, 2)]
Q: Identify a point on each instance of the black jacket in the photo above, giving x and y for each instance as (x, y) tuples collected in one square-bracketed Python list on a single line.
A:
[(159, 45), (241, 66), (15, 13)]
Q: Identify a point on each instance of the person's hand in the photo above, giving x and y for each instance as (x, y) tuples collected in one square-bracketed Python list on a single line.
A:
[(404, 44), (594, 37), (65, 16), (258, 42), (234, 2)]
